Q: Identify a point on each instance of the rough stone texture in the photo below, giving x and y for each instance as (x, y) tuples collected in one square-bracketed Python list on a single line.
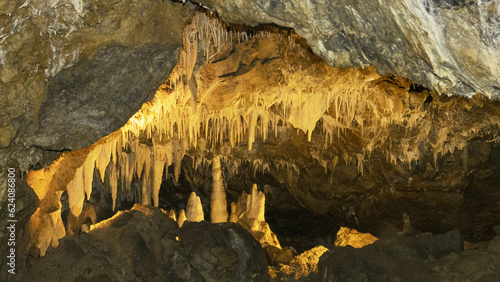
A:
[(73, 71), (144, 244), (41, 39), (98, 96), (439, 192), (406, 258), (452, 47), (223, 252), (26, 203)]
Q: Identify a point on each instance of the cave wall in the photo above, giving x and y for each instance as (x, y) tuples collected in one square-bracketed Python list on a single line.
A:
[(82, 68), (449, 46), (72, 72)]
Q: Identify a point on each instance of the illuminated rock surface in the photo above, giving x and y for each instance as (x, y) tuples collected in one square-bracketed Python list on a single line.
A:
[(449, 46), (353, 238)]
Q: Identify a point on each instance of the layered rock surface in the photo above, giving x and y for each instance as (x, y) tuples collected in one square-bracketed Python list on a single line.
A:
[(452, 47), (82, 68)]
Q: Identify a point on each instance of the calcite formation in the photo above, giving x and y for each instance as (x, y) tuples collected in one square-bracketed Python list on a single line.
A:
[(249, 211), (218, 204), (353, 238), (449, 46), (194, 210), (231, 88), (367, 130)]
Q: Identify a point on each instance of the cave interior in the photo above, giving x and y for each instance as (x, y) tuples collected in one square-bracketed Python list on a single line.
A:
[(228, 141)]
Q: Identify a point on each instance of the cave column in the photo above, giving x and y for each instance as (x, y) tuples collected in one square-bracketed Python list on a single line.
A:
[(218, 212)]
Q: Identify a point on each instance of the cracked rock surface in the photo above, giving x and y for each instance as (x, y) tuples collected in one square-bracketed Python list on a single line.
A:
[(452, 47)]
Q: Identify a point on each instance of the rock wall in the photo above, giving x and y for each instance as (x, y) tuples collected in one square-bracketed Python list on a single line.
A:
[(81, 68), (72, 72), (452, 47)]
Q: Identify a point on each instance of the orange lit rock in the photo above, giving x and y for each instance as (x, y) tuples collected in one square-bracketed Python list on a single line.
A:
[(352, 237)]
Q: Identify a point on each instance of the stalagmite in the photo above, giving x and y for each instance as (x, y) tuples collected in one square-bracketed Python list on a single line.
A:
[(218, 204), (234, 216), (241, 204), (157, 178), (194, 209), (181, 218), (255, 206), (171, 214), (249, 212)]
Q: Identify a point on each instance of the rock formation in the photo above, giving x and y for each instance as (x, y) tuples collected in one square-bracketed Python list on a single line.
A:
[(249, 212), (351, 237), (145, 244), (449, 46), (194, 210), (344, 114), (218, 204)]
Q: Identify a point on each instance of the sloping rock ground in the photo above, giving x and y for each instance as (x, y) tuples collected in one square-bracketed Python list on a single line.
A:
[(144, 244), (411, 258)]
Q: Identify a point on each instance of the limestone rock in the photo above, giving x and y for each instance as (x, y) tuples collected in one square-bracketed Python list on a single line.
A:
[(101, 88), (494, 245), (194, 210), (74, 71), (218, 203), (405, 258), (448, 46), (144, 244), (301, 266), (351, 237), (224, 252), (443, 244)]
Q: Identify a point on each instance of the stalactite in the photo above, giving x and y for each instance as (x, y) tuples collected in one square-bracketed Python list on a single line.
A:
[(335, 161), (345, 100), (113, 183), (88, 171)]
